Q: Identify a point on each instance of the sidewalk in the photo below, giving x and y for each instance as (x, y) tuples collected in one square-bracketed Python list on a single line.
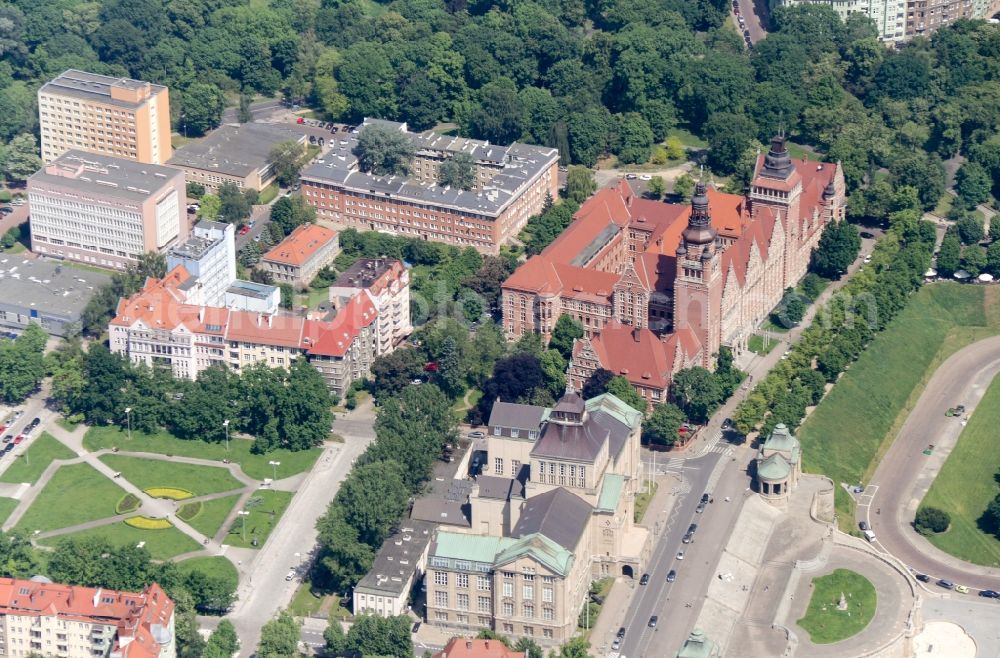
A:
[(758, 366)]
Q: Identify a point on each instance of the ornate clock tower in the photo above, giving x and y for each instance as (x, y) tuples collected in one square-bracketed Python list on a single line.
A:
[(698, 286)]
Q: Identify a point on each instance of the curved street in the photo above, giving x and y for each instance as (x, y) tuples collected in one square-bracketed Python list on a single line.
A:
[(905, 473)]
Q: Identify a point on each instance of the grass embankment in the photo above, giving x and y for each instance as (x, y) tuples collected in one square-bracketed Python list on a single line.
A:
[(150, 473), (856, 422), (758, 345), (216, 565), (76, 494), (7, 505), (40, 453), (967, 484), (824, 622), (164, 443)]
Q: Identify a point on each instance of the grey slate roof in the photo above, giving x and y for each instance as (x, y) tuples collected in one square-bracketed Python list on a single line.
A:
[(574, 442), (517, 416), (396, 561), (520, 163), (499, 488), (235, 150), (106, 175), (441, 511), (558, 514)]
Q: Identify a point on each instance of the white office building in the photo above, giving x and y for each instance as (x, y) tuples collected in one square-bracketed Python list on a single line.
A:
[(209, 255)]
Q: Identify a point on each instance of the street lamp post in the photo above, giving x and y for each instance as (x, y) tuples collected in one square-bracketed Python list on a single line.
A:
[(128, 420), (274, 468), (244, 514), (225, 424)]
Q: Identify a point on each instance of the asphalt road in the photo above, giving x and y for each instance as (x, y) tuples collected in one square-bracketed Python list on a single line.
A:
[(668, 599), (259, 110), (264, 590), (755, 14), (962, 379)]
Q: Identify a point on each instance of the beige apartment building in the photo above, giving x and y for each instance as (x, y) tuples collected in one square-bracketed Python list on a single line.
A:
[(38, 617), (297, 258), (388, 282), (100, 114), (552, 511), (105, 211)]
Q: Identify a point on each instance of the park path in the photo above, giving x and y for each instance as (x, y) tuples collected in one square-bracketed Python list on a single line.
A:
[(153, 507)]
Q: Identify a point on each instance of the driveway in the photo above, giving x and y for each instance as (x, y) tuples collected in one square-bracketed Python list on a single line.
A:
[(905, 473)]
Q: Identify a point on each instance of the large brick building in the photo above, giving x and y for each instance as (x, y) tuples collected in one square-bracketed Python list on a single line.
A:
[(675, 282), (511, 184)]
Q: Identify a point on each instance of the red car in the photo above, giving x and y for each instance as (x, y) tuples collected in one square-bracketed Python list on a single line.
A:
[(18, 439), (300, 120), (244, 230), (2, 427)]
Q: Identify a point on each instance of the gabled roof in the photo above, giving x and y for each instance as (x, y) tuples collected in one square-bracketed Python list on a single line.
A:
[(639, 355), (541, 549), (526, 417), (557, 514), (459, 647)]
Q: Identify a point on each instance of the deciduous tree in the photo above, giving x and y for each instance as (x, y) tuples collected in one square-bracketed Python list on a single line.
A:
[(383, 151), (458, 171)]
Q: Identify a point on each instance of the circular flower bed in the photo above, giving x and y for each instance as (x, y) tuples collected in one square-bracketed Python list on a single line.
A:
[(173, 493), (128, 503), (147, 523)]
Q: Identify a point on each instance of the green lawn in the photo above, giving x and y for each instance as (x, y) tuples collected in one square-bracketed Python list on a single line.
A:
[(944, 204), (66, 424), (7, 505), (267, 194), (305, 602), (756, 344), (767, 325), (643, 499), (213, 513), (76, 494), (256, 466), (687, 138), (857, 420), (313, 298), (824, 622), (215, 565), (262, 519), (147, 473), (40, 453), (966, 485), (161, 544)]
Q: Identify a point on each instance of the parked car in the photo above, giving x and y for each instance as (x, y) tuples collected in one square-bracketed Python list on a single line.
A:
[(244, 230), (8, 438), (653, 620), (947, 584), (989, 594), (924, 578), (290, 576), (6, 210), (700, 508), (680, 554), (644, 580), (867, 235), (671, 575), (616, 644), (18, 439), (863, 525), (477, 434), (961, 589), (688, 538), (621, 633)]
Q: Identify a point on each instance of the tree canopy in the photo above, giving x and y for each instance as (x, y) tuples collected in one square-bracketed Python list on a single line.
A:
[(384, 151)]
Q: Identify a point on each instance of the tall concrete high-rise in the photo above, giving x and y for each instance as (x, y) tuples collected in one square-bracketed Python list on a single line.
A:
[(100, 114)]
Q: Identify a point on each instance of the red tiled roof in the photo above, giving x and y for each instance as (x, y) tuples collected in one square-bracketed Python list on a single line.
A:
[(161, 305), (334, 338), (541, 275), (134, 613), (459, 647), (300, 245), (607, 206), (636, 354)]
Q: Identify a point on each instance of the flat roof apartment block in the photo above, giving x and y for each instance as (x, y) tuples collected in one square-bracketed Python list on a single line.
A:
[(106, 115), (234, 154), (511, 184), (305, 251), (105, 211)]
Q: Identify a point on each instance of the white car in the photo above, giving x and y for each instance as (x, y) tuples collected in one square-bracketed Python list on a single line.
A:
[(291, 576), (646, 177)]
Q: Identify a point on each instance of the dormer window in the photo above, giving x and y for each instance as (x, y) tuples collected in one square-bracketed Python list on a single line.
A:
[(496, 430), (515, 433)]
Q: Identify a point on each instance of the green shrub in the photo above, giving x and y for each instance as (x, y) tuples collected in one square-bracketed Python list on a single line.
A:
[(931, 520), (5, 196), (189, 511), (128, 503)]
